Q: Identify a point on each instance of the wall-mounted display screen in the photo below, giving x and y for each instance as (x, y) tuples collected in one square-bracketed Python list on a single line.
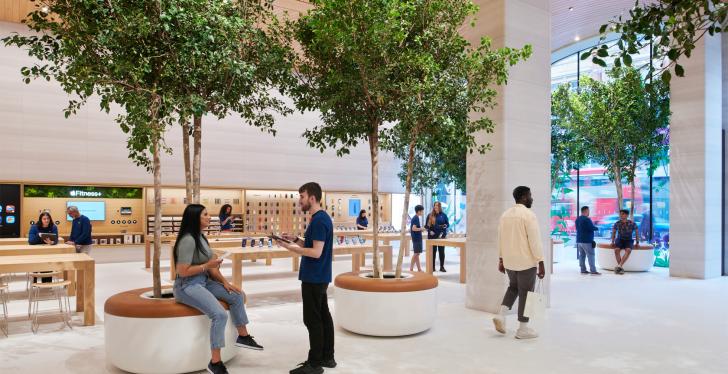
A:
[(125, 211), (9, 210), (94, 210), (354, 207)]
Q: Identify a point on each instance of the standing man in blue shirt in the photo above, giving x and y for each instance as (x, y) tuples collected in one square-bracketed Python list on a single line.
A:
[(585, 241), (316, 252), (80, 231)]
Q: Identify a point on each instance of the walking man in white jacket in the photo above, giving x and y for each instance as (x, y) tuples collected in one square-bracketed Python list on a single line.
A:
[(521, 257)]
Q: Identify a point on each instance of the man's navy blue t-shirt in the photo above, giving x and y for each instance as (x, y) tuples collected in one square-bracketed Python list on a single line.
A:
[(318, 270), (416, 235)]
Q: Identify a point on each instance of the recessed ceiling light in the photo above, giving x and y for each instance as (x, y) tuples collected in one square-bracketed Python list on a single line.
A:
[(571, 8), (577, 38)]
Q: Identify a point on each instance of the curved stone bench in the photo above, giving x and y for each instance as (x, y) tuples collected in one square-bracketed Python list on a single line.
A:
[(386, 307), (641, 259), (159, 336)]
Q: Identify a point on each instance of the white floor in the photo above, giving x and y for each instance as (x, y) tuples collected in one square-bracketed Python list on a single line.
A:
[(636, 323)]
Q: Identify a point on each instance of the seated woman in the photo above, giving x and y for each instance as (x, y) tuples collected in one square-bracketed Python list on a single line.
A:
[(44, 225), (200, 284), (362, 222)]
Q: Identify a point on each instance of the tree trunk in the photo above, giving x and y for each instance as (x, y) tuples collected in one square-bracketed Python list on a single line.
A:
[(618, 186), (407, 192), (197, 162), (157, 282), (633, 176), (186, 156), (374, 153)]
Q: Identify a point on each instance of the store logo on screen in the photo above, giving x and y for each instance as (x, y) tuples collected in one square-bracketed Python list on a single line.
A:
[(77, 193)]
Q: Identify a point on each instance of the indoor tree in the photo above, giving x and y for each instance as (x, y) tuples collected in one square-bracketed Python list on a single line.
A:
[(398, 74), (231, 57), (671, 29), (118, 53)]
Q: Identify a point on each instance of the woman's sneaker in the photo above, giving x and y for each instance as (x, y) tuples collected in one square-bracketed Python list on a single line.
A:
[(248, 342), (217, 368)]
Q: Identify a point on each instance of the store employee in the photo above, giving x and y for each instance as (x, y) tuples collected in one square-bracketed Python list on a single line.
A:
[(362, 222), (80, 231), (44, 225)]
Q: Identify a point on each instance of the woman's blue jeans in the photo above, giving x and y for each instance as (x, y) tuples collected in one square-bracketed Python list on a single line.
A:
[(202, 293)]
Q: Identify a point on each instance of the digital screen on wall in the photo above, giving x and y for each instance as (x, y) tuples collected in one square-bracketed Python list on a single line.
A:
[(9, 210), (354, 207), (94, 210)]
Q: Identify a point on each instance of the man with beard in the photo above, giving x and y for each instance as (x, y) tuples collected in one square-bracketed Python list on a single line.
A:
[(520, 248), (316, 252)]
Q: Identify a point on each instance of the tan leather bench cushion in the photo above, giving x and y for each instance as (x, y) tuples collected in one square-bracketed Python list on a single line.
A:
[(352, 281), (640, 247), (130, 304)]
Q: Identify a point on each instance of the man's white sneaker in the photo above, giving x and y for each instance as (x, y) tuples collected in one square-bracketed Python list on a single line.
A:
[(526, 333), (500, 324)]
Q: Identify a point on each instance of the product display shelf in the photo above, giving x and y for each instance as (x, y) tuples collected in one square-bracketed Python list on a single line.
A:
[(171, 225), (110, 239), (274, 211)]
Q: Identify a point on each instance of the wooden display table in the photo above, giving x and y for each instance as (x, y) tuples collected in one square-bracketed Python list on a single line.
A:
[(170, 239), (21, 241), (40, 249), (81, 263), (239, 254), (449, 242), (351, 232), (388, 238)]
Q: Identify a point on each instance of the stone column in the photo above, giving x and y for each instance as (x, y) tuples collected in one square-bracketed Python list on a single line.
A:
[(696, 164), (521, 143)]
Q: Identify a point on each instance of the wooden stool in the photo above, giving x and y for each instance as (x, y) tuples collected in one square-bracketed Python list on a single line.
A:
[(4, 291), (60, 291)]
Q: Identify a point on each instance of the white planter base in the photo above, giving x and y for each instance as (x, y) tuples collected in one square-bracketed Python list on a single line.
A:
[(639, 260), (163, 345), (385, 313)]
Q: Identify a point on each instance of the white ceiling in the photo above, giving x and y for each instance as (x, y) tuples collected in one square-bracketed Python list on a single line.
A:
[(585, 19)]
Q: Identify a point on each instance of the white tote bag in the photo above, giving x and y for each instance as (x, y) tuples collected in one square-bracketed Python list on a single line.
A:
[(536, 303)]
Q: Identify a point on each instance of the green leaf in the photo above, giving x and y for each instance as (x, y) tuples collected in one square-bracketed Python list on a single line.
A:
[(585, 55), (603, 28), (627, 59), (602, 53), (672, 54), (679, 70), (666, 77), (599, 62)]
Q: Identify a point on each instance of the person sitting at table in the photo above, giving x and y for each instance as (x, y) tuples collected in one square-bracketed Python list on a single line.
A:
[(44, 225), (362, 222), (226, 218), (200, 285)]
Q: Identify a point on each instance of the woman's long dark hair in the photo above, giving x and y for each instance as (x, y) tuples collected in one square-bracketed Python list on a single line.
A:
[(39, 224), (362, 212), (191, 225), (224, 208)]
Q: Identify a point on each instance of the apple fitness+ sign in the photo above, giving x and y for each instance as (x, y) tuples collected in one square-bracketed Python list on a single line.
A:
[(82, 192)]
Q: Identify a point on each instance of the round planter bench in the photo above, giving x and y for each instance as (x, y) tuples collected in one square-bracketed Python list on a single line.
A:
[(641, 259), (558, 250), (386, 307), (154, 336)]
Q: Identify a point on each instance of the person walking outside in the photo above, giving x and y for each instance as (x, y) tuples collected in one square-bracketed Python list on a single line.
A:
[(585, 241), (316, 252), (437, 225), (80, 231), (622, 239), (521, 257)]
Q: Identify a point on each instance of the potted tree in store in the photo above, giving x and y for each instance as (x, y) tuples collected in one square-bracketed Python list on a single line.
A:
[(128, 54), (363, 65)]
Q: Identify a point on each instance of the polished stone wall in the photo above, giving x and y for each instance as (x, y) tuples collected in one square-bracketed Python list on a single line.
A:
[(521, 142)]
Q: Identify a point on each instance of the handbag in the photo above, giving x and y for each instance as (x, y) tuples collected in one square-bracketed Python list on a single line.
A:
[(535, 302)]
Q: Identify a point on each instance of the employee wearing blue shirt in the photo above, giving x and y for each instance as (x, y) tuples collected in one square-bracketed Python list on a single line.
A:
[(316, 252), (226, 218), (80, 231), (437, 225), (584, 241), (362, 222), (44, 225)]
